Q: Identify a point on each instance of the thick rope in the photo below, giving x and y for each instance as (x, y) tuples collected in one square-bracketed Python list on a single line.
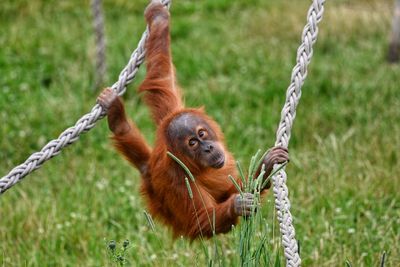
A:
[(98, 25), (288, 114), (84, 124)]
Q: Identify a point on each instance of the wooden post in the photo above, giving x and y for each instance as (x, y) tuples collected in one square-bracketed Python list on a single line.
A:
[(394, 46)]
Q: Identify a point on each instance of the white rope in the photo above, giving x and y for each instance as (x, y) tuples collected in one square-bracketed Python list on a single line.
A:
[(98, 25), (84, 124), (288, 114)]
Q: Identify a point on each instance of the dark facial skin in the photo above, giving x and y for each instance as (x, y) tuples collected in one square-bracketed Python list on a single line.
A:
[(192, 136)]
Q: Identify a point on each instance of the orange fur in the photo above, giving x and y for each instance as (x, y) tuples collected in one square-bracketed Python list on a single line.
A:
[(168, 198), (161, 91), (192, 136), (163, 183)]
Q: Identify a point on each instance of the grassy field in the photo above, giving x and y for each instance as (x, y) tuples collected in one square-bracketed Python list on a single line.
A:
[(234, 57)]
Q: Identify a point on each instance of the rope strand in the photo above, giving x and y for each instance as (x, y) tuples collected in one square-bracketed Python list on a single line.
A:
[(288, 114), (98, 26)]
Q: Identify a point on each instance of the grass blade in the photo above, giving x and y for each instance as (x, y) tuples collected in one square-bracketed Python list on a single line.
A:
[(236, 185), (186, 169)]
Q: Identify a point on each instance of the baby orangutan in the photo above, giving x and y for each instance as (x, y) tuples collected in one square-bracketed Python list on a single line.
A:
[(190, 135)]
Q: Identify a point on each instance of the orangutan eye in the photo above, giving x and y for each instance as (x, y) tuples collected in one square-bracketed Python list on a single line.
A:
[(193, 142), (202, 133)]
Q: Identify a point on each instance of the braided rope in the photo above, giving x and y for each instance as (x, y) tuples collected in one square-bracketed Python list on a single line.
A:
[(288, 114), (98, 25), (84, 124)]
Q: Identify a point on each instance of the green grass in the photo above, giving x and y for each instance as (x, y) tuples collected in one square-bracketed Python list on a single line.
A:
[(234, 57)]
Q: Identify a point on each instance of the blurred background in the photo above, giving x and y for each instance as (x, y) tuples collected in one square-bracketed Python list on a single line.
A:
[(235, 58)]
